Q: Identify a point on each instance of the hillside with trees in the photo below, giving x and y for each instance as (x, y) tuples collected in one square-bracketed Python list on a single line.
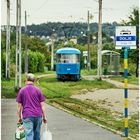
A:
[(39, 42), (69, 29)]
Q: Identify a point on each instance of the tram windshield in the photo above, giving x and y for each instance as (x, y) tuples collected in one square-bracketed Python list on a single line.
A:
[(68, 58)]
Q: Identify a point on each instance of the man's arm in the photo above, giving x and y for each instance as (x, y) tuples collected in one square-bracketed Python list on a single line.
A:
[(19, 109), (44, 112)]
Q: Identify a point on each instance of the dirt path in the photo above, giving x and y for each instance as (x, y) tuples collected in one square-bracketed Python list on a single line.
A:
[(45, 75), (121, 85), (118, 84), (112, 99)]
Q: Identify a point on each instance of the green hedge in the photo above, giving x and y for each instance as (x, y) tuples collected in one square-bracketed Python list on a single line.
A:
[(36, 63)]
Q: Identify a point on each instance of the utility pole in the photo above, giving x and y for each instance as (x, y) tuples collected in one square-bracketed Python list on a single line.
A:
[(53, 37), (88, 41), (18, 46), (52, 57), (26, 48), (100, 42), (8, 41)]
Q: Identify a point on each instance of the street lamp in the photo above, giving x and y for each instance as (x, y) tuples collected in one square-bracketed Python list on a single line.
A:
[(93, 37)]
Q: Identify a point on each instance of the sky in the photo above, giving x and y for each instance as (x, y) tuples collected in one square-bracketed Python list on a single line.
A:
[(43, 11)]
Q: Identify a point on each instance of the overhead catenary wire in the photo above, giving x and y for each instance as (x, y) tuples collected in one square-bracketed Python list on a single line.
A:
[(43, 4), (40, 7), (96, 0)]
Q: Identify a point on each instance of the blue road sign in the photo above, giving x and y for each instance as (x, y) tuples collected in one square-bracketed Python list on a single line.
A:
[(125, 38)]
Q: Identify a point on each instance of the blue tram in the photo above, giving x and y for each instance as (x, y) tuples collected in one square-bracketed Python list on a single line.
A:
[(68, 64)]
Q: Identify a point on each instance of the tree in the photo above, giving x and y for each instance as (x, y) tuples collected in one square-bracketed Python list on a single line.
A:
[(133, 19)]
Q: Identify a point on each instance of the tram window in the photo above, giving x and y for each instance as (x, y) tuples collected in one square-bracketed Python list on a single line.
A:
[(68, 58), (58, 58)]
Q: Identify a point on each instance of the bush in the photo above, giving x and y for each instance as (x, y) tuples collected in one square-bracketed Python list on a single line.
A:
[(36, 61), (41, 62), (32, 61), (94, 63), (3, 64), (48, 65), (12, 70), (132, 68)]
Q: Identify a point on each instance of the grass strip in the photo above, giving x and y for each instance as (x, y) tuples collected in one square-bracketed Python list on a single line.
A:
[(99, 115)]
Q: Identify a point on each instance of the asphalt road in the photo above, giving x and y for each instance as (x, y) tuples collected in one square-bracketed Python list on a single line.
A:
[(63, 126)]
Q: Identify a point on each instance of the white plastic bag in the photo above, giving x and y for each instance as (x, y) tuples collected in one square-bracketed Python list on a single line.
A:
[(46, 134), (20, 133)]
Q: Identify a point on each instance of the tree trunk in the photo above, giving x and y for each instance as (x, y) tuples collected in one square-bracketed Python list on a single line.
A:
[(137, 67)]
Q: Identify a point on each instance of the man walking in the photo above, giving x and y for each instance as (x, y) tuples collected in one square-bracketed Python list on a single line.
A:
[(31, 102)]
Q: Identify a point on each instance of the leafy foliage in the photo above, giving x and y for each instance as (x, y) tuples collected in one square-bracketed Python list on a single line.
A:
[(69, 29), (36, 52), (41, 61), (3, 62), (33, 61), (36, 61), (133, 20)]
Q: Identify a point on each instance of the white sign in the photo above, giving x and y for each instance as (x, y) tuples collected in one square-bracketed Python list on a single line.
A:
[(85, 53), (125, 37), (85, 61)]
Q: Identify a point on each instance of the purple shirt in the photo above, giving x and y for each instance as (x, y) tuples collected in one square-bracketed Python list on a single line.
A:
[(30, 98)]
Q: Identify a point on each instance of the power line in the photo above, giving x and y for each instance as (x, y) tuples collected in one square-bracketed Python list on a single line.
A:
[(40, 7), (95, 0), (108, 9)]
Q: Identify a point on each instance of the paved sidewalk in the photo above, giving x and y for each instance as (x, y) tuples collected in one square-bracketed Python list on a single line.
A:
[(62, 125)]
